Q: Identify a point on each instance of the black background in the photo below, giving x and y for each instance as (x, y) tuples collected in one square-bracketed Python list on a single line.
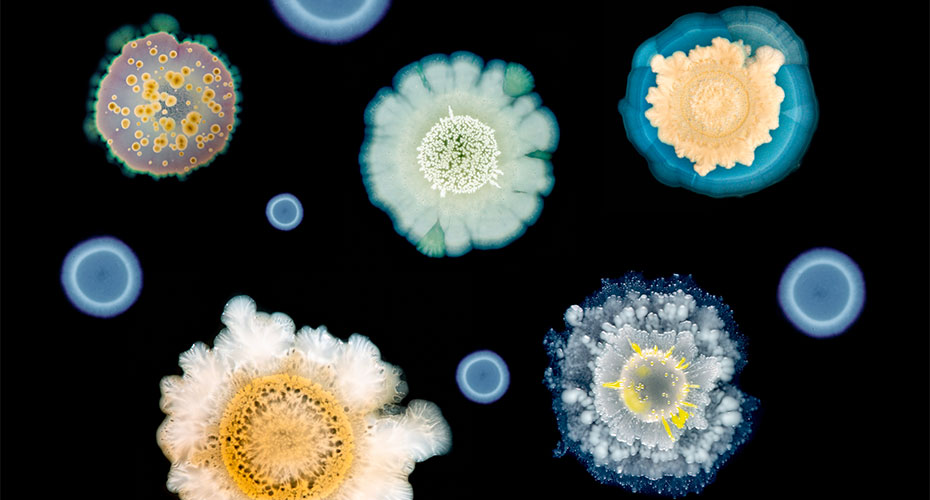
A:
[(840, 417)]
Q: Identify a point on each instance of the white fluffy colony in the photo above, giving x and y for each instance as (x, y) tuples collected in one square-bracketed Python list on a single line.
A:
[(273, 413)]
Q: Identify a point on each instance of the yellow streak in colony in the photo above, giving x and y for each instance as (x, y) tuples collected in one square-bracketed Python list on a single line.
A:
[(284, 436), (640, 376)]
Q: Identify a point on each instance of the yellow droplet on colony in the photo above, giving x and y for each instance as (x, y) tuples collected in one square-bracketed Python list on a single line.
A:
[(679, 418)]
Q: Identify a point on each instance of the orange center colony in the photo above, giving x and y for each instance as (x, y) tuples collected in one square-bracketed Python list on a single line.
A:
[(654, 387), (283, 436), (166, 108)]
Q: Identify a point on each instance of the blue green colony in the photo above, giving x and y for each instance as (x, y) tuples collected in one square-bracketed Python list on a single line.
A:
[(457, 153)]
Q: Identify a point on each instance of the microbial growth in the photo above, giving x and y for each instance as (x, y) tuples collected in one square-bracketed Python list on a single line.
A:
[(716, 106), (457, 153), (331, 21), (721, 104), (483, 377), (101, 277), (284, 211), (164, 107), (643, 385), (822, 292), (269, 413)]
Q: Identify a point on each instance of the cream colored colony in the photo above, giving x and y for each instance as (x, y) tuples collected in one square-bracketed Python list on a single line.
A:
[(716, 105), (166, 108)]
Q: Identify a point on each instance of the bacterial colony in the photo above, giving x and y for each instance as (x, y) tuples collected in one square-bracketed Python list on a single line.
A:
[(458, 152)]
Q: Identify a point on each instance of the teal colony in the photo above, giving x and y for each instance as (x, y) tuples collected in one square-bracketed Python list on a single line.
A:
[(101, 277), (284, 212), (748, 139), (822, 292), (331, 21), (483, 377), (457, 153)]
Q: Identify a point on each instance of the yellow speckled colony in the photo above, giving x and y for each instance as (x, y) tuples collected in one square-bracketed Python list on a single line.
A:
[(166, 108)]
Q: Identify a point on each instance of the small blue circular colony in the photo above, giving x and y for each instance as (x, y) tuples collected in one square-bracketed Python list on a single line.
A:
[(822, 292), (483, 377), (331, 21), (101, 277), (284, 211)]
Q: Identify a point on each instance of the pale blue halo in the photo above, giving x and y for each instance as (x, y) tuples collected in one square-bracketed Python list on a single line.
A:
[(483, 377), (822, 292), (101, 277), (284, 211), (331, 21)]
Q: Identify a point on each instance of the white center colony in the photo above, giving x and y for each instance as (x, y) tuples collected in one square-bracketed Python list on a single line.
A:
[(459, 154)]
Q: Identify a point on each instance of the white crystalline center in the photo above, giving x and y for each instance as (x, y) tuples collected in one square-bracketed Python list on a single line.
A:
[(459, 154)]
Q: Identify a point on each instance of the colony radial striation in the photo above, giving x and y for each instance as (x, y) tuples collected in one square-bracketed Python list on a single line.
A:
[(457, 153), (267, 413), (721, 104), (163, 107), (643, 385)]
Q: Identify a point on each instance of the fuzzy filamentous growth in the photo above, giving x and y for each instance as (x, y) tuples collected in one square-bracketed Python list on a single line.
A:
[(457, 153), (270, 414), (643, 385)]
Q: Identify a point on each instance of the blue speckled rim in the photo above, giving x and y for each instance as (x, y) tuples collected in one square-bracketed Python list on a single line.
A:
[(555, 342)]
